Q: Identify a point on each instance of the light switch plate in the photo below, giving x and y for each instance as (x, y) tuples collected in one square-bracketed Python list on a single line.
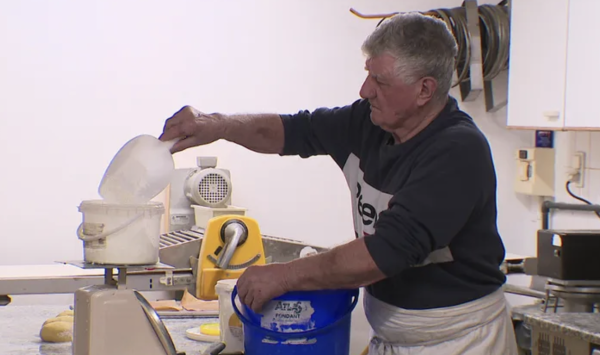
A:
[(578, 169)]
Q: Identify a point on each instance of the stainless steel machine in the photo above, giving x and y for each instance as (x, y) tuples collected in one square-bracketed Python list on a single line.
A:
[(569, 259), (566, 279)]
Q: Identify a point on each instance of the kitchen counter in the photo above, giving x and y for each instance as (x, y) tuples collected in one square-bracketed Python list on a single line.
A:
[(518, 313), (20, 327), (585, 326)]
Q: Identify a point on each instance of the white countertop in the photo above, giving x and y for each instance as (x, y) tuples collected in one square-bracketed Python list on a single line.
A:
[(45, 270)]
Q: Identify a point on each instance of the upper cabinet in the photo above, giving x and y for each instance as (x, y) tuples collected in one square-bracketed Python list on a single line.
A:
[(554, 61), (582, 104), (538, 63)]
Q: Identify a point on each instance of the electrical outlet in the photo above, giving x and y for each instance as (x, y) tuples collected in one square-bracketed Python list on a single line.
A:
[(577, 171)]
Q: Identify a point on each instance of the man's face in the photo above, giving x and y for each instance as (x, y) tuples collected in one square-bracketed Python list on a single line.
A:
[(392, 100)]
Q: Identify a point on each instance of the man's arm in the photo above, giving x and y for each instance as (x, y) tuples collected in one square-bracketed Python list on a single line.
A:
[(344, 267), (262, 133), (323, 131)]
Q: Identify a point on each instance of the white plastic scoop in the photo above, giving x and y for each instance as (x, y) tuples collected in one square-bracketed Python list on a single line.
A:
[(139, 171)]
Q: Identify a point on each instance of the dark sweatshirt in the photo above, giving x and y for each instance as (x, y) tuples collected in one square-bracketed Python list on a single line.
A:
[(435, 192)]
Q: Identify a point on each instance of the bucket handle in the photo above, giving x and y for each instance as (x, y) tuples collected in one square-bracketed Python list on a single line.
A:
[(305, 334), (91, 238)]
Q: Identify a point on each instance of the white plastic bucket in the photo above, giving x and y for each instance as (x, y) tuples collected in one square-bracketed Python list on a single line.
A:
[(232, 333), (120, 234), (139, 171)]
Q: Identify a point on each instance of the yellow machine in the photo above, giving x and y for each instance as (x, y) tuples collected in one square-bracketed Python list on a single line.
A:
[(231, 243)]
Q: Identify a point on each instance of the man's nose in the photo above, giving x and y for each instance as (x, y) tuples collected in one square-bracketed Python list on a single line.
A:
[(367, 91)]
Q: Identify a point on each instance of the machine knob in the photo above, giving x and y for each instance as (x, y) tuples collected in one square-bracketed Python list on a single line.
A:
[(233, 233)]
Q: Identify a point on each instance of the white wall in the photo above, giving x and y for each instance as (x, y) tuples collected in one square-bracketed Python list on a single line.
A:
[(568, 143), (79, 79)]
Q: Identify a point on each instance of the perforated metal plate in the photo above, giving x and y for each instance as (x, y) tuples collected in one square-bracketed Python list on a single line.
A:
[(213, 188)]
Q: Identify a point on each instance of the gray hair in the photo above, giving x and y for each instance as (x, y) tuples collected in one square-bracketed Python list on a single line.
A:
[(422, 46)]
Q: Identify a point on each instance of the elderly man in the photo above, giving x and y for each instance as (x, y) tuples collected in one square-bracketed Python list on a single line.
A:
[(423, 184)]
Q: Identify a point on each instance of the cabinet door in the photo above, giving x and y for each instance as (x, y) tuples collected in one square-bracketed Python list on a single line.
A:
[(538, 49), (582, 105)]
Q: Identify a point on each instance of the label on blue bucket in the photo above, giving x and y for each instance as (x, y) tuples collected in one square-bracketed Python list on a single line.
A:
[(288, 316)]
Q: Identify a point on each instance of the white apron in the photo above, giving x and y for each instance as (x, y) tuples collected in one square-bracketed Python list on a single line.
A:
[(480, 327)]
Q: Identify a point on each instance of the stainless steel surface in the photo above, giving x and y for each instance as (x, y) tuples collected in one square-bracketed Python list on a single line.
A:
[(523, 291), (159, 327), (576, 296), (574, 283), (177, 247), (234, 234), (187, 314), (146, 281), (132, 268), (214, 349), (576, 307)]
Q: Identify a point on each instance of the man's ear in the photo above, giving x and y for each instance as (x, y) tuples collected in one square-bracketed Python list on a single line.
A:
[(428, 87)]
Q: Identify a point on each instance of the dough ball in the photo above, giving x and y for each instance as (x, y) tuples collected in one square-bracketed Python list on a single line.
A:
[(57, 332), (60, 319), (67, 313)]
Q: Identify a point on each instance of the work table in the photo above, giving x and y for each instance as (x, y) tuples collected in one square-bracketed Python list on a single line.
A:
[(21, 326), (585, 326)]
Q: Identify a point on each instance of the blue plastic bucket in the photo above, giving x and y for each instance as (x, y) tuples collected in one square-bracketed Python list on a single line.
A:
[(297, 323)]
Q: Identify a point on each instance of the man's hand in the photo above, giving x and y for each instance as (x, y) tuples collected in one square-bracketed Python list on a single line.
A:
[(260, 284), (192, 128)]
